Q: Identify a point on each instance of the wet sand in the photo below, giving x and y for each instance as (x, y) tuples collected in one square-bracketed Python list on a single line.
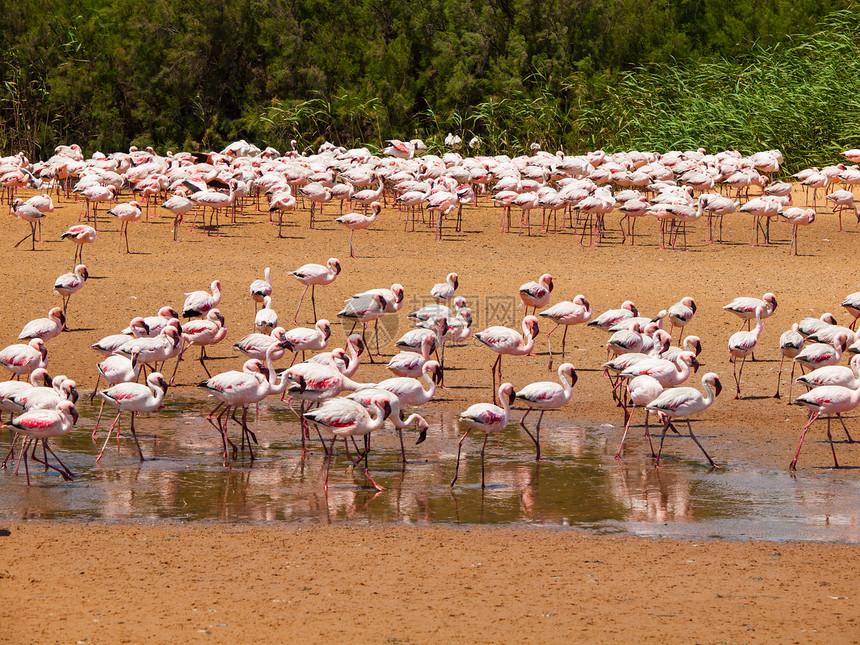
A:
[(533, 583)]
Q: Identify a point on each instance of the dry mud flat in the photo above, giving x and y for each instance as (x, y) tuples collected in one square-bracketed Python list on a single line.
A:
[(104, 583)]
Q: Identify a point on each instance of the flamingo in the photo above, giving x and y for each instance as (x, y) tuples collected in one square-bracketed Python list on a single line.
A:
[(366, 398), (834, 375), (815, 355), (742, 344), (179, 206), (47, 397), (506, 341), (790, 344), (566, 313), (304, 338), (159, 348), (10, 391), (31, 215), (312, 275), (115, 369), (267, 318), (202, 333), (443, 292), (852, 305), (745, 308), (669, 373), (536, 294), (95, 195), (45, 328), (110, 344), (41, 425), (827, 400), (809, 325), (214, 200), (80, 235), (283, 202), (198, 303), (346, 418), (642, 390), (233, 389), (261, 288), (486, 418), (359, 222), (154, 325), (410, 363), (368, 196), (841, 199), (256, 345), (70, 283), (125, 213), (363, 310), (318, 194), (680, 314), (612, 317), (682, 403), (134, 397), (798, 217), (431, 312), (411, 391), (546, 395)]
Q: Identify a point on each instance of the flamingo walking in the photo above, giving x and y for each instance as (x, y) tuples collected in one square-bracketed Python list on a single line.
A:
[(506, 341), (829, 401), (486, 418), (70, 283), (202, 333), (134, 398), (198, 303), (682, 403), (546, 395), (125, 213), (312, 275), (566, 313), (366, 398), (790, 344), (745, 308), (359, 222), (41, 425), (742, 344), (536, 294), (260, 288), (80, 235), (180, 206)]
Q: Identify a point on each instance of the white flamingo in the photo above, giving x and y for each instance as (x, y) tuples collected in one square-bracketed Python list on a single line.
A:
[(546, 395)]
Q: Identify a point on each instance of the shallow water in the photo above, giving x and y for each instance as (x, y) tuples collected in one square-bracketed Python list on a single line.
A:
[(579, 484)]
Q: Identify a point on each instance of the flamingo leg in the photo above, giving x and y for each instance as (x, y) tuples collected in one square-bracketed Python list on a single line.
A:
[(624, 436), (662, 437), (459, 450), (842, 421), (115, 424), (694, 438), (779, 377), (793, 464), (483, 450)]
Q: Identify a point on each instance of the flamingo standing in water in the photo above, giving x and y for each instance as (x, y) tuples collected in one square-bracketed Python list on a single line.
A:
[(198, 303), (346, 418), (366, 398), (828, 400), (485, 418), (536, 294), (682, 403), (642, 390), (134, 397), (312, 275), (70, 283), (566, 313), (546, 395), (411, 391), (506, 341), (359, 222), (202, 333), (80, 235), (41, 425)]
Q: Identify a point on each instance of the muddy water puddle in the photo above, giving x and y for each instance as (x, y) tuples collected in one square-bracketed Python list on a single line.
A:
[(580, 484)]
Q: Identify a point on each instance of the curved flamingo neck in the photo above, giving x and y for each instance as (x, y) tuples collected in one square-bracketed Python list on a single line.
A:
[(566, 384)]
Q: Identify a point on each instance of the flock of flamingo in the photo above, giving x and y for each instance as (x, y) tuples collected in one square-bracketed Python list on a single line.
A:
[(643, 367), (675, 188)]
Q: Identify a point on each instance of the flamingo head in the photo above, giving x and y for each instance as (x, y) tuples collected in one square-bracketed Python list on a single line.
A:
[(628, 304), (70, 389), (769, 297), (399, 292), (546, 278), (580, 300), (507, 390), (334, 265), (695, 343), (38, 343), (434, 370), (422, 426), (325, 327), (718, 387), (85, 275), (690, 303), (454, 279), (356, 341), (694, 363), (531, 323), (570, 372)]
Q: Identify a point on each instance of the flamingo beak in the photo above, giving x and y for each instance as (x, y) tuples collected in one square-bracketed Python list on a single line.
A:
[(74, 414), (634, 310), (73, 395), (49, 382), (163, 385), (573, 378), (718, 387), (698, 347), (422, 435), (512, 397), (695, 365), (585, 302), (693, 306)]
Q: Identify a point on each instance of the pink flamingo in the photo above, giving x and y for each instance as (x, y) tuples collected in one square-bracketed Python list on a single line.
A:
[(31, 215), (318, 194), (256, 345), (815, 355), (536, 294), (110, 344), (834, 375), (312, 275), (267, 318), (125, 213), (411, 391), (344, 361), (828, 400), (410, 363), (282, 202), (134, 398), (742, 344), (80, 235), (680, 314), (368, 196), (95, 195), (70, 283), (745, 308), (364, 310), (233, 389), (301, 339), (261, 288), (41, 425), (366, 398), (566, 313), (682, 403), (669, 373), (198, 303), (115, 369), (546, 395), (180, 206), (202, 333), (852, 306), (506, 341), (214, 200), (612, 317), (798, 217), (485, 418), (359, 222), (45, 328), (154, 325), (444, 291), (790, 344), (842, 199), (346, 418), (642, 390)]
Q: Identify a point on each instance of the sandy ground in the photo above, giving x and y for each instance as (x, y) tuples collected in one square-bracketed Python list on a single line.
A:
[(158, 583)]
